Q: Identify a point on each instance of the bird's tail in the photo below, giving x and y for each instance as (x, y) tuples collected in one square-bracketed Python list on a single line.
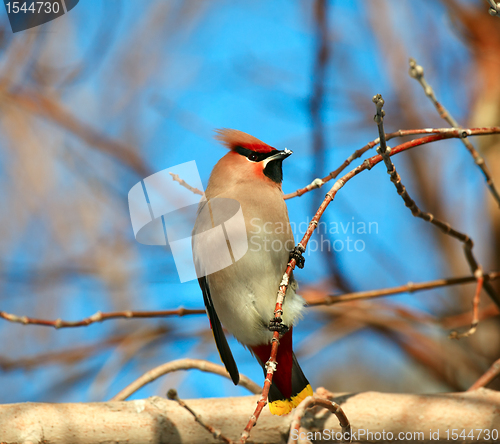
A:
[(289, 386)]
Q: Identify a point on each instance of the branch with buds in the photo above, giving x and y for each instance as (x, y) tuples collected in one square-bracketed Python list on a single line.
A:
[(428, 217), (318, 183), (475, 307), (176, 178), (271, 363), (410, 287), (99, 317), (417, 72), (278, 312)]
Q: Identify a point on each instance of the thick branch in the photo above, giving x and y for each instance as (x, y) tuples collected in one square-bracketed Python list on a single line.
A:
[(160, 420)]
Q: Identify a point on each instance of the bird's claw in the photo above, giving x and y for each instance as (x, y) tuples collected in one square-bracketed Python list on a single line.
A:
[(276, 324), (296, 254)]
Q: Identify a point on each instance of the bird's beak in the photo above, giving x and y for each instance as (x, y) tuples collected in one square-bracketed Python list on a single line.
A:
[(280, 155), (272, 166)]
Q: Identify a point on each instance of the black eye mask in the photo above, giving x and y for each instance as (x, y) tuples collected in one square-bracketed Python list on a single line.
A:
[(252, 155)]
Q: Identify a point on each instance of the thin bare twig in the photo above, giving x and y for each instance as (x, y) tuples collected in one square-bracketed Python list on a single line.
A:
[(271, 363), (99, 317), (312, 401), (176, 178), (318, 182), (475, 308), (416, 211), (172, 394), (182, 364), (489, 376), (410, 287), (417, 72), (278, 312), (458, 320), (379, 120)]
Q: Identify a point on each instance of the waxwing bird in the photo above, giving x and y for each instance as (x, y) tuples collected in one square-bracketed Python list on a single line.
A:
[(242, 296)]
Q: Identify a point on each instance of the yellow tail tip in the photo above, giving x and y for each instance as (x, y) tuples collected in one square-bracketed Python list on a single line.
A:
[(285, 406)]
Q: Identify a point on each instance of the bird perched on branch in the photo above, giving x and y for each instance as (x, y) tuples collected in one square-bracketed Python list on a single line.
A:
[(242, 296)]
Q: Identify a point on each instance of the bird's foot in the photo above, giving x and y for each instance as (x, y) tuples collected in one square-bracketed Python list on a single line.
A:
[(276, 324), (296, 254)]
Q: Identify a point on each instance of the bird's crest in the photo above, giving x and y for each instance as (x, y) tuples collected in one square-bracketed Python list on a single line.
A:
[(233, 138)]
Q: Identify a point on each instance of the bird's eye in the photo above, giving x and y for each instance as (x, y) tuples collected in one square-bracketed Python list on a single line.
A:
[(253, 157)]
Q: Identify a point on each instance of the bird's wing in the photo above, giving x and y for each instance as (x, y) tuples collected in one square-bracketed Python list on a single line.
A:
[(220, 339)]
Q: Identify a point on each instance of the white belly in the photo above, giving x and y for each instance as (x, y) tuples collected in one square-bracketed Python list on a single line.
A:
[(244, 294)]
